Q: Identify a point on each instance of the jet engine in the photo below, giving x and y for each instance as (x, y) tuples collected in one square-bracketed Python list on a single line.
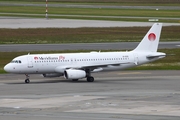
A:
[(74, 74), (53, 75)]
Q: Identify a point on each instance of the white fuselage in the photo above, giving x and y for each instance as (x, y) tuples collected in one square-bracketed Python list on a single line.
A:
[(58, 63)]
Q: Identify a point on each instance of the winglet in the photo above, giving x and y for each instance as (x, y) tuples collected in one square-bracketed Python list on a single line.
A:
[(151, 39)]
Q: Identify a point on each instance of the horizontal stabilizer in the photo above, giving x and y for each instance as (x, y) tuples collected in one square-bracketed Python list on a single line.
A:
[(154, 55)]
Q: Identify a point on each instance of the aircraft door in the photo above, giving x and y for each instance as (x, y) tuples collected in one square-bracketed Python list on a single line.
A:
[(136, 59), (30, 61)]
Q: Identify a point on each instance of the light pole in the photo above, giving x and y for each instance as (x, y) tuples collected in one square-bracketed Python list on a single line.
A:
[(46, 9)]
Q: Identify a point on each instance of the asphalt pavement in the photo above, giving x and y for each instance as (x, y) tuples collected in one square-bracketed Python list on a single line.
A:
[(122, 95)]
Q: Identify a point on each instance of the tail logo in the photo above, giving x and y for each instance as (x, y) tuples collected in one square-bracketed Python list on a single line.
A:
[(151, 36)]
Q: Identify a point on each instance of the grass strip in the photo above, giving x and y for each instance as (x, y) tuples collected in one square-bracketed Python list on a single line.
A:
[(91, 11), (82, 35), (105, 2)]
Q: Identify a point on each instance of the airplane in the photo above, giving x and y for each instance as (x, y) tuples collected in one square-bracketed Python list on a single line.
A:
[(75, 66)]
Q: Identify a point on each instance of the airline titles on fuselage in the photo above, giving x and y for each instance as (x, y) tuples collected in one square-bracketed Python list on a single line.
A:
[(49, 58)]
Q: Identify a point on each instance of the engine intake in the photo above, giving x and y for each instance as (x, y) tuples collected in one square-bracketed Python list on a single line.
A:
[(74, 74)]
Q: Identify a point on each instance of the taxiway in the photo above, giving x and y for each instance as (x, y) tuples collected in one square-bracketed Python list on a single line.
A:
[(81, 46), (122, 95)]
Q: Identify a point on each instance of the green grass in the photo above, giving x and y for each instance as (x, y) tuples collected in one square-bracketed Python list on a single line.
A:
[(93, 13), (82, 35), (90, 11), (170, 62), (109, 2)]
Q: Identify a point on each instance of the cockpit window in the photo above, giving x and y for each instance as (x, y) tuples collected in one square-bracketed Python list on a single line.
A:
[(16, 61)]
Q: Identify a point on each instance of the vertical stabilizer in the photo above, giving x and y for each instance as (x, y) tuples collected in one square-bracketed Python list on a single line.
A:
[(151, 39)]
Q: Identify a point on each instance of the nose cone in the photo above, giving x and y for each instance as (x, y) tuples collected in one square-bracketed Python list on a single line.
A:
[(7, 68)]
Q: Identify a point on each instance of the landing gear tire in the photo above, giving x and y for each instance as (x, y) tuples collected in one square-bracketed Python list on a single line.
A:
[(27, 81), (90, 79), (74, 80)]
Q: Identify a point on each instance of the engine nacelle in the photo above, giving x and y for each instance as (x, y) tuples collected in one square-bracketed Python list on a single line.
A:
[(53, 75), (74, 74)]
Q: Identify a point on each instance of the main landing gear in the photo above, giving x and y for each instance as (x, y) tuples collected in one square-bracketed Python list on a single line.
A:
[(89, 77), (27, 78)]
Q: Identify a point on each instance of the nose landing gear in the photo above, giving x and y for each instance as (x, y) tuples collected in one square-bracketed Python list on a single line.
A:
[(27, 78)]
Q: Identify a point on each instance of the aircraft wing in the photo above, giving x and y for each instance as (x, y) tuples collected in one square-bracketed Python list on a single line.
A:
[(92, 67)]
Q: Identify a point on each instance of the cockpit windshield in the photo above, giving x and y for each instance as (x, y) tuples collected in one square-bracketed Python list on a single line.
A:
[(16, 61)]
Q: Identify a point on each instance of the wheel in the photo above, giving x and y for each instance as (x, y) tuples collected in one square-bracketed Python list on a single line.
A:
[(90, 79), (74, 80), (27, 81)]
